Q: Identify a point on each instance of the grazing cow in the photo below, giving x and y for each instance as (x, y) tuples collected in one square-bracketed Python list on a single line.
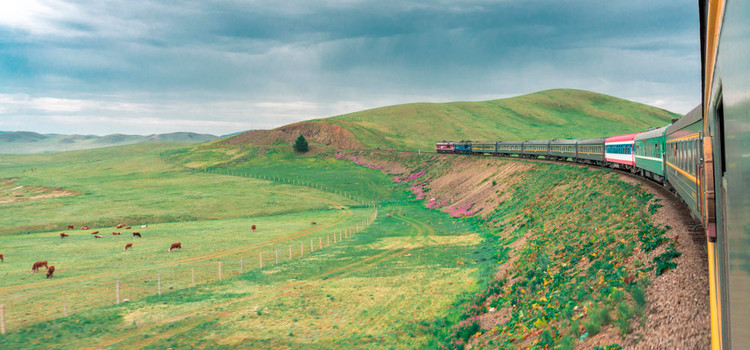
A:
[(177, 245), (95, 232), (129, 245), (137, 234), (71, 227), (120, 225), (97, 236), (252, 228), (38, 265), (2, 258), (313, 223), (63, 235), (84, 227), (128, 227), (116, 233), (50, 271), (144, 226)]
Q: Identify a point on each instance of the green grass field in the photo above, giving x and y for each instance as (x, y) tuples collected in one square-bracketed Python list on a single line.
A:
[(371, 289), (411, 278)]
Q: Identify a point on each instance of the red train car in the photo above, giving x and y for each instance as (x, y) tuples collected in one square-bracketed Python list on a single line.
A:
[(445, 147)]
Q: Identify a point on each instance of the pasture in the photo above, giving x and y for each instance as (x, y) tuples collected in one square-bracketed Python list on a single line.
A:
[(383, 286), (132, 185)]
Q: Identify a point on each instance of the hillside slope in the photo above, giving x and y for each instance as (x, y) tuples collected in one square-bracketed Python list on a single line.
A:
[(561, 113), (25, 142)]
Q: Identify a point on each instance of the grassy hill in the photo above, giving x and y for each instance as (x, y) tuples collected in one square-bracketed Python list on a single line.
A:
[(562, 113), (25, 142)]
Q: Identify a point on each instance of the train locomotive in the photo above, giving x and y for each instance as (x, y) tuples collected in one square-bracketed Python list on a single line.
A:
[(702, 157)]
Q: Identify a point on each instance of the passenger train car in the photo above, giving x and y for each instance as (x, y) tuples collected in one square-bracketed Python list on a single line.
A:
[(724, 173), (704, 157)]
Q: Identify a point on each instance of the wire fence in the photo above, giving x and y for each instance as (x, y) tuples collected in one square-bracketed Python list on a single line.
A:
[(26, 305)]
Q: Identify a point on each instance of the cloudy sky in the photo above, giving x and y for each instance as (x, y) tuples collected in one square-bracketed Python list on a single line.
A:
[(153, 66)]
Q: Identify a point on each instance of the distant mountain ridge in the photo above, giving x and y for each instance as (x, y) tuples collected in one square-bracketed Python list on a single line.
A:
[(27, 142)]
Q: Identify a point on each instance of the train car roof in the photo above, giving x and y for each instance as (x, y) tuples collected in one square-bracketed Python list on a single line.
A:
[(563, 142), (510, 142), (691, 117), (591, 141), (619, 138), (536, 142), (652, 133)]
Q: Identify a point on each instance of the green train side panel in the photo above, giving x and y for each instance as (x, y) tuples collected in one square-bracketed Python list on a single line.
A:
[(483, 147), (681, 164), (649, 155)]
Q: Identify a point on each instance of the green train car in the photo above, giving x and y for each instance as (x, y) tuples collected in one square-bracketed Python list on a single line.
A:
[(562, 149), (507, 148), (648, 148), (725, 171), (484, 147), (683, 145), (535, 149)]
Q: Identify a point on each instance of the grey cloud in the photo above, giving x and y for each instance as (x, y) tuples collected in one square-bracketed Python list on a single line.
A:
[(330, 53)]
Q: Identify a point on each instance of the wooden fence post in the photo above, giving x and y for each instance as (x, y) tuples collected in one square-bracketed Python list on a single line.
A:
[(219, 270), (301, 249), (312, 248), (242, 266), (261, 260), (158, 284), (2, 319), (321, 242), (192, 276), (290, 252), (277, 256), (117, 288)]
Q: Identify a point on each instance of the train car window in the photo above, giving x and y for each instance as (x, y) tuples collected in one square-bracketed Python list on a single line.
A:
[(720, 123)]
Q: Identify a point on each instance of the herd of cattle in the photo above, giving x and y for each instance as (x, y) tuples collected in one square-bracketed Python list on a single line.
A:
[(51, 268)]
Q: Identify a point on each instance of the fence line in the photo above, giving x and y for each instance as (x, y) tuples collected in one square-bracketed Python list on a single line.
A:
[(131, 286)]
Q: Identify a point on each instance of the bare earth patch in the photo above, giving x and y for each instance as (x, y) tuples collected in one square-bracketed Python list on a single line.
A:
[(12, 192)]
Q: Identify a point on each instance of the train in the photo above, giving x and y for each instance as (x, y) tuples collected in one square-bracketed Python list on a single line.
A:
[(703, 157), (669, 155)]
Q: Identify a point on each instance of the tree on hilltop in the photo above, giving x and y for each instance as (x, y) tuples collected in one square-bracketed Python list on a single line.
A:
[(301, 144)]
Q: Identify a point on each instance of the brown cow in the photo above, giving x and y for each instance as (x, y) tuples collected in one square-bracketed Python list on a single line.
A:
[(50, 271), (95, 232), (84, 227), (2, 258), (128, 227), (63, 235), (120, 226), (177, 245), (137, 234), (313, 223), (71, 227), (252, 228), (97, 236), (129, 245), (116, 233), (38, 265)]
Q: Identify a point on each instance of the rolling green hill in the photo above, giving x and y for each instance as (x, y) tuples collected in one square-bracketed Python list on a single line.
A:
[(562, 113)]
